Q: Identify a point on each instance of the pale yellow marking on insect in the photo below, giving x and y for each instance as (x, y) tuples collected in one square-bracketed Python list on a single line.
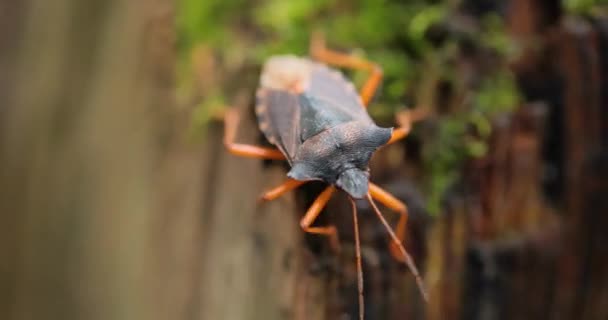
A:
[(288, 73), (260, 108), (263, 126), (351, 87), (260, 93), (336, 75), (297, 88)]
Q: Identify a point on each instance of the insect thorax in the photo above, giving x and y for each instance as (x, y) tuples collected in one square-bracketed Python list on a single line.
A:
[(332, 152)]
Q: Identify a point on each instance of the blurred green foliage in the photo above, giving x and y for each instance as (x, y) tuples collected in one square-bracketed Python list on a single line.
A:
[(396, 34), (584, 6)]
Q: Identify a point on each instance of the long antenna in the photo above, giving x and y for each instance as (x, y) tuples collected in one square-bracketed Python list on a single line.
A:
[(408, 259), (358, 254)]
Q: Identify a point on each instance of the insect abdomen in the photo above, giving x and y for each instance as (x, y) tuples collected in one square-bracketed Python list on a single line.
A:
[(288, 73)]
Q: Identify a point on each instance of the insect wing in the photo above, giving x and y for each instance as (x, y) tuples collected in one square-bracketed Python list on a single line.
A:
[(336, 91), (329, 100), (278, 115), (299, 98)]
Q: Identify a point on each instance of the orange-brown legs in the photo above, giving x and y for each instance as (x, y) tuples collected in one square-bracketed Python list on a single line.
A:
[(231, 122), (395, 204), (278, 191), (313, 213), (319, 51), (405, 119), (399, 133)]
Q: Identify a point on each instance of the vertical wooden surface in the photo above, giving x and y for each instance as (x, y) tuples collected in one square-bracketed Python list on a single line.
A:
[(582, 61), (78, 157)]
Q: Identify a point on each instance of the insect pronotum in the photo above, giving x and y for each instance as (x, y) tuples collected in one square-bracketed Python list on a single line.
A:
[(320, 125)]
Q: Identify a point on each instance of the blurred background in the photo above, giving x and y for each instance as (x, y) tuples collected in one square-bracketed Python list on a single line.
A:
[(118, 201)]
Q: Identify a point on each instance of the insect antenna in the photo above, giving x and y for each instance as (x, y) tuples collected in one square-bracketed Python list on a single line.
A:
[(358, 254), (408, 259)]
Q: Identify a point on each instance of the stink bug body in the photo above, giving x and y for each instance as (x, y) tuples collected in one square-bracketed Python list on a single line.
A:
[(317, 120), (320, 125)]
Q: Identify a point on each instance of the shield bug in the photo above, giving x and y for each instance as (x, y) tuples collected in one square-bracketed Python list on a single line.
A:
[(320, 125)]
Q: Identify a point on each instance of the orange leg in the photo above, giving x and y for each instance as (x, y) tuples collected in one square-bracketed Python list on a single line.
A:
[(319, 51), (395, 204), (399, 134), (313, 213), (405, 119), (231, 122), (278, 191)]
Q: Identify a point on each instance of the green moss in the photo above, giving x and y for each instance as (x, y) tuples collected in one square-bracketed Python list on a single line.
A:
[(584, 6)]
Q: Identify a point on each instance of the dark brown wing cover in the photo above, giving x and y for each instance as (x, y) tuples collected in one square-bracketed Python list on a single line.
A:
[(278, 114), (330, 86), (299, 98)]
